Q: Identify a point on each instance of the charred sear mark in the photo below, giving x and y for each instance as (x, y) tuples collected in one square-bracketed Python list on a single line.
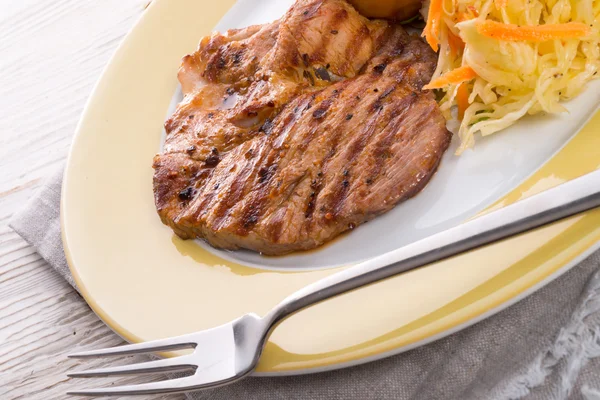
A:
[(322, 74), (325, 104), (387, 92), (309, 76), (322, 109), (310, 207), (316, 185), (306, 59), (378, 106), (265, 174)]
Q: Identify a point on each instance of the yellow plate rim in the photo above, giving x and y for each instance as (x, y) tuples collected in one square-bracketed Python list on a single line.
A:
[(505, 298)]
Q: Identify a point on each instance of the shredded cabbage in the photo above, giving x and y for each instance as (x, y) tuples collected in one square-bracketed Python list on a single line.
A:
[(516, 77)]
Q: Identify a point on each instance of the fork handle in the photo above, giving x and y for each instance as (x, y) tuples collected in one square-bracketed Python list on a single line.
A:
[(568, 199)]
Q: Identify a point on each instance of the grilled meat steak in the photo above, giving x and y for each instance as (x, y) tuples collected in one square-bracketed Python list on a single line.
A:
[(293, 132)]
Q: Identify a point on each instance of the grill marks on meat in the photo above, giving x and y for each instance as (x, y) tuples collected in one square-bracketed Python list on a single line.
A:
[(294, 132)]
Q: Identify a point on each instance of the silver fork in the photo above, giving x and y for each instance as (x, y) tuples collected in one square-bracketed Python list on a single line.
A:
[(230, 352)]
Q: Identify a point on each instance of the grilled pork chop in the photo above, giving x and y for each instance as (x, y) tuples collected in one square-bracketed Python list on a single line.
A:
[(293, 132)]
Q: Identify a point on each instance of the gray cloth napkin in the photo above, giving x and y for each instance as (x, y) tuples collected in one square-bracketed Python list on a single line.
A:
[(545, 347)]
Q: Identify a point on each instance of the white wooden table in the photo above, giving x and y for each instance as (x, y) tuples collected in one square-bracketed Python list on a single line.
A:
[(51, 54)]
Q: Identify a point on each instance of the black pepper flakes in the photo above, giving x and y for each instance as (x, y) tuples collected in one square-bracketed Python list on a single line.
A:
[(237, 58), (251, 221), (186, 194), (349, 117), (266, 127), (334, 32), (379, 68), (265, 174), (319, 113), (213, 159)]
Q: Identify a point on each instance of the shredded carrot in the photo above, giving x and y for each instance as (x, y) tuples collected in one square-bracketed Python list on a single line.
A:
[(539, 33), (456, 44), (463, 16), (474, 11), (467, 15), (434, 19), (500, 3), (462, 100), (456, 76)]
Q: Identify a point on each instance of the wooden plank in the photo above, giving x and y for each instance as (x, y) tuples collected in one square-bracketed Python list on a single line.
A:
[(52, 55)]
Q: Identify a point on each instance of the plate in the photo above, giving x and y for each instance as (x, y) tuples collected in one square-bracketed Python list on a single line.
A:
[(145, 283)]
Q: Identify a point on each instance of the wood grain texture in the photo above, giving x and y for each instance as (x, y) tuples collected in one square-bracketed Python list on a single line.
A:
[(52, 53)]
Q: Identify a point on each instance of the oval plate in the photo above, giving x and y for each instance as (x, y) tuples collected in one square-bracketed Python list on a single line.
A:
[(145, 283)]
